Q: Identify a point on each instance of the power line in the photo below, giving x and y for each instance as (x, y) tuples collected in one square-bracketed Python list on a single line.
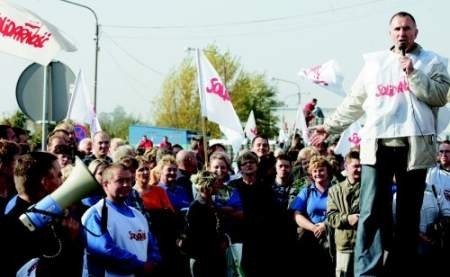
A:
[(277, 30), (133, 57), (121, 68), (238, 23)]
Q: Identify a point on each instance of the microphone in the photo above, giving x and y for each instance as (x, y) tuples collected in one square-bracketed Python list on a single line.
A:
[(402, 47)]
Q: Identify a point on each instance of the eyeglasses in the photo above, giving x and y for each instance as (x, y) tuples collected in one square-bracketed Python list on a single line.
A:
[(444, 151), (244, 163)]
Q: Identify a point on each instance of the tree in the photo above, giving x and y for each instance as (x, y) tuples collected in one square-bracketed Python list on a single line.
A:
[(117, 122), (18, 119), (179, 105)]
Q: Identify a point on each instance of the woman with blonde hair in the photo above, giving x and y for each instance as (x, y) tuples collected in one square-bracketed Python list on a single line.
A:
[(226, 198), (205, 229), (167, 224), (310, 207), (153, 197), (179, 197)]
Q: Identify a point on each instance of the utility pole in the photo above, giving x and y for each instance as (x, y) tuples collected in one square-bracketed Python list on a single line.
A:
[(97, 48)]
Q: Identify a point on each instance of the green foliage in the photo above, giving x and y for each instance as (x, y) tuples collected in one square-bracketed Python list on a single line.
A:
[(18, 119), (117, 122), (179, 107), (252, 92)]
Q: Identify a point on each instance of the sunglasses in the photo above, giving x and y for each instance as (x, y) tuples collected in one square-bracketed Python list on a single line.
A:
[(444, 151)]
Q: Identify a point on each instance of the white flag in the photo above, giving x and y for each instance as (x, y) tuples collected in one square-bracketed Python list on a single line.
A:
[(350, 138), (283, 132), (250, 128), (25, 34), (327, 75), (80, 108), (300, 124), (216, 103)]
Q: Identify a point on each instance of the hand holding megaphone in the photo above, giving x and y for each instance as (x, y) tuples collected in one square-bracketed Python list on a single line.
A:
[(77, 186)]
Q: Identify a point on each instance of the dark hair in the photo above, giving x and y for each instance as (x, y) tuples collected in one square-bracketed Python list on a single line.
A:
[(283, 157), (19, 131), (245, 156), (445, 142), (352, 155), (4, 131), (63, 149), (8, 150), (177, 146), (214, 147), (403, 14), (260, 136), (29, 171)]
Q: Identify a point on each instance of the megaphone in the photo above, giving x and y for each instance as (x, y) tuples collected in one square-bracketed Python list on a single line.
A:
[(77, 186)]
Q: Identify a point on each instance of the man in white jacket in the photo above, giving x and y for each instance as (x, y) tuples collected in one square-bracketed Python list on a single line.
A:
[(399, 91)]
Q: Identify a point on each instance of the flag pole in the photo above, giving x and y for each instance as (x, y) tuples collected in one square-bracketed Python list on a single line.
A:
[(45, 117), (205, 140), (202, 105)]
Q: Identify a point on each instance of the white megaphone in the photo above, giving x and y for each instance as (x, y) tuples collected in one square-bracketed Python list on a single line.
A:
[(77, 186)]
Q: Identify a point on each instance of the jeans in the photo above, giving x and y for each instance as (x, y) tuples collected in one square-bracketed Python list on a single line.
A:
[(376, 231)]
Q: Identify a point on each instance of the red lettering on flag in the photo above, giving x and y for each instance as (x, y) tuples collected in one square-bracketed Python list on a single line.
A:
[(314, 73), (27, 34), (218, 88), (355, 139)]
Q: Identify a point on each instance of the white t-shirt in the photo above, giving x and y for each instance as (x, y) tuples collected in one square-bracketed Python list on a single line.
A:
[(441, 180)]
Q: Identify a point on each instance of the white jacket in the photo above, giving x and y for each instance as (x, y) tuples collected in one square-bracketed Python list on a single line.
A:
[(430, 88)]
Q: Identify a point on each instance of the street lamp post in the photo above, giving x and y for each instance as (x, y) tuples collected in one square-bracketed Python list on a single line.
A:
[(96, 48), (299, 95)]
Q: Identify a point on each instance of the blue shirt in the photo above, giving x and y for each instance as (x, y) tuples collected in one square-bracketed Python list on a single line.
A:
[(11, 204), (228, 197), (313, 206), (178, 196), (102, 245)]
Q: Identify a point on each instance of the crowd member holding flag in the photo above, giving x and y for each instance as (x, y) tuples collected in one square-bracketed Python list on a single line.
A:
[(398, 90)]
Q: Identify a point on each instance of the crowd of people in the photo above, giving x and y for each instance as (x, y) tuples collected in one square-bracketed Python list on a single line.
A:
[(290, 214), (161, 210)]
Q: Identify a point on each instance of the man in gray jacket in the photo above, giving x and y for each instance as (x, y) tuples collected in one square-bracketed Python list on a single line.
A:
[(343, 214), (399, 91)]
